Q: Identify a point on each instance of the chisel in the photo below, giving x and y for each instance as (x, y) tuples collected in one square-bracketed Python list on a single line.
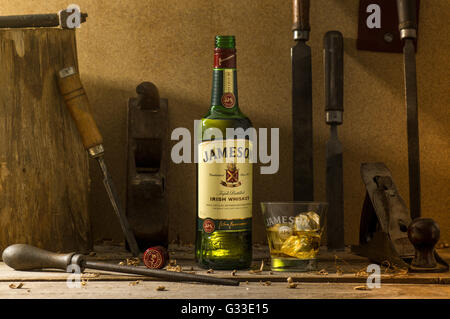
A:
[(47, 20), (77, 102), (302, 126), (334, 109), (407, 16), (26, 257)]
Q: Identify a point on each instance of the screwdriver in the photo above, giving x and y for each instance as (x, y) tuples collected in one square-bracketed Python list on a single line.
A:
[(77, 102)]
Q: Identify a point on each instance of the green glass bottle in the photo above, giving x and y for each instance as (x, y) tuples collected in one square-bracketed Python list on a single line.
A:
[(224, 171)]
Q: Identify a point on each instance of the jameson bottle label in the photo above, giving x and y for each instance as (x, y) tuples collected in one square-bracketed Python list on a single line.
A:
[(225, 185)]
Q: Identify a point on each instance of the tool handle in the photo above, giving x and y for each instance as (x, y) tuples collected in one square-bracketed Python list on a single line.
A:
[(77, 102), (334, 71), (26, 257), (407, 14), (300, 15)]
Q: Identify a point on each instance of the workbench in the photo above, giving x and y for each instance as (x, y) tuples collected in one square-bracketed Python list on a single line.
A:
[(339, 275)]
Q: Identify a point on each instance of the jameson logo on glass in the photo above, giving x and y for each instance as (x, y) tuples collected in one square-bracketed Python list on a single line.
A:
[(294, 231), (224, 171)]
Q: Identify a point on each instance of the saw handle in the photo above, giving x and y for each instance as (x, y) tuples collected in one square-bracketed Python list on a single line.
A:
[(27, 257), (77, 102), (300, 11), (334, 71), (407, 14)]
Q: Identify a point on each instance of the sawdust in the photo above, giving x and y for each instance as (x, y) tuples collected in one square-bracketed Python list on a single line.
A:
[(393, 270)]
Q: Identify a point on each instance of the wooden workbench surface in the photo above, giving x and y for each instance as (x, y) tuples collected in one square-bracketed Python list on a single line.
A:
[(340, 276)]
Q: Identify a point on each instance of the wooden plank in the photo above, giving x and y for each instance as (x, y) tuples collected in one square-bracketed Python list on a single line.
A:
[(348, 265), (147, 290), (44, 171)]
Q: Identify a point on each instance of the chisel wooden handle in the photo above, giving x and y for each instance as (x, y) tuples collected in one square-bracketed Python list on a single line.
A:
[(334, 71), (26, 257), (407, 16), (77, 102), (300, 11)]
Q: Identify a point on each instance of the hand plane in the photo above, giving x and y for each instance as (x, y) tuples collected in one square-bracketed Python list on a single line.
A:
[(384, 219)]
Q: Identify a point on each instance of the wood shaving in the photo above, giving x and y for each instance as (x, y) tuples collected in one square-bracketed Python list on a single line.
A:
[(134, 283), (261, 268), (290, 280), (172, 262), (361, 288), (292, 285), (174, 268), (265, 283), (254, 271), (210, 271), (133, 261), (270, 272), (362, 273), (160, 288), (13, 286), (233, 273), (336, 259), (92, 253), (90, 275), (323, 272), (393, 270)]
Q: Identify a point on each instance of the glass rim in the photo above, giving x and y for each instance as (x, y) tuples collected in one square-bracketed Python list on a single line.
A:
[(296, 202)]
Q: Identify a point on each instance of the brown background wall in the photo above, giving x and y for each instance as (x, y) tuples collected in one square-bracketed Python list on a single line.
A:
[(170, 43)]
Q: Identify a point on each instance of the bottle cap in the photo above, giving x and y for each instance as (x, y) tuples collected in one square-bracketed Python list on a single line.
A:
[(156, 257)]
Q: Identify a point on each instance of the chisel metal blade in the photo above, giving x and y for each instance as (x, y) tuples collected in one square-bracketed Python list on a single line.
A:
[(114, 198), (409, 58), (407, 24), (335, 192), (334, 110), (302, 122)]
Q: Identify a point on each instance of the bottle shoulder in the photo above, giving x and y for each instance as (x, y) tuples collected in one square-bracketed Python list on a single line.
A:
[(220, 114)]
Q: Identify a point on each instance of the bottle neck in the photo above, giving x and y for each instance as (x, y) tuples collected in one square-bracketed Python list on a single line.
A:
[(224, 97)]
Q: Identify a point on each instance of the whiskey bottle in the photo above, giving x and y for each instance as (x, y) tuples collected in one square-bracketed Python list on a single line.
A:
[(224, 171)]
